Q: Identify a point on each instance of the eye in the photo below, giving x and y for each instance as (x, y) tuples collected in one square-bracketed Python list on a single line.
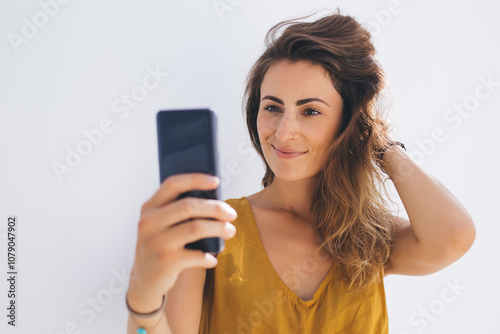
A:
[(314, 111), (271, 108)]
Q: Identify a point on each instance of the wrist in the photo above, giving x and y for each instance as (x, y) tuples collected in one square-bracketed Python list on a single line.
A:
[(387, 152), (141, 306)]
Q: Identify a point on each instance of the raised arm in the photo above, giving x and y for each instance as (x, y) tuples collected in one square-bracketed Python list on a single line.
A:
[(439, 230)]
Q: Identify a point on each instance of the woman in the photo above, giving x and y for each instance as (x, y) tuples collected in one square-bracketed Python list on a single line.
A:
[(314, 245)]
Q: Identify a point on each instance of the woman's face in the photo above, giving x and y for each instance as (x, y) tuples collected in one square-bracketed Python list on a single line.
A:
[(300, 114)]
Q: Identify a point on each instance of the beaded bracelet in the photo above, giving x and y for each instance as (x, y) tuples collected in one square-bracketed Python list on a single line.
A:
[(391, 144), (144, 315)]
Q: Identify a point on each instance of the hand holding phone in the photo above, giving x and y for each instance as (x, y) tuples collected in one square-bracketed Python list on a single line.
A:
[(163, 233)]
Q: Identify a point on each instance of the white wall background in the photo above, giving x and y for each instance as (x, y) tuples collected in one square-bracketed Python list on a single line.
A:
[(77, 233)]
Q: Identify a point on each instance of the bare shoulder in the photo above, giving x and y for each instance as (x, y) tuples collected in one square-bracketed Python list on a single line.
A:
[(254, 199)]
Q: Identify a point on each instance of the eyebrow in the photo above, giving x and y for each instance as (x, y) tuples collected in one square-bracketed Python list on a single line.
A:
[(298, 103)]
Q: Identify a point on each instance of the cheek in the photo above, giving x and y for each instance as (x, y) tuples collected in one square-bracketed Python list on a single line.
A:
[(322, 137), (264, 126)]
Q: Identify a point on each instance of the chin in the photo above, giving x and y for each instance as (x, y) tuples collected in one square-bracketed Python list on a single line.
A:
[(289, 171), (292, 175)]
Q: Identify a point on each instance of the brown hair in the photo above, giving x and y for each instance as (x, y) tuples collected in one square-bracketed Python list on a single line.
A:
[(351, 219)]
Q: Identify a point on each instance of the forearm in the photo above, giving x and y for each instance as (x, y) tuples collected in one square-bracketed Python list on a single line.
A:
[(436, 216)]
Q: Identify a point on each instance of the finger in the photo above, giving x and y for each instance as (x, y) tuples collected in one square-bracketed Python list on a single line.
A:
[(192, 207), (189, 208), (175, 185), (196, 258), (198, 229)]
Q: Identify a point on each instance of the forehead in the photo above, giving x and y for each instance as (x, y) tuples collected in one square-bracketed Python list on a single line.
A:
[(301, 79)]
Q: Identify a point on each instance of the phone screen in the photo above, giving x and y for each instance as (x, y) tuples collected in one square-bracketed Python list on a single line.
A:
[(187, 144)]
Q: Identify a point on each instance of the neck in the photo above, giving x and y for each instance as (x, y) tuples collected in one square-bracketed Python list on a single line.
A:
[(294, 197)]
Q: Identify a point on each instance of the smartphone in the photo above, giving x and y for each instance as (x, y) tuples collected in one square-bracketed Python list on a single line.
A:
[(187, 143)]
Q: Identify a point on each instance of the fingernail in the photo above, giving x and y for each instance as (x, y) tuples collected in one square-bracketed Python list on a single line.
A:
[(213, 260), (214, 180), (232, 212), (230, 228)]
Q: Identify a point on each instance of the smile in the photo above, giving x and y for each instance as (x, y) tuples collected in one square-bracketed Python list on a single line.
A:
[(287, 155)]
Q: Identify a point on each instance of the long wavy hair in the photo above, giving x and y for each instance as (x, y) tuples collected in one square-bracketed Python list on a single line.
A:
[(351, 218)]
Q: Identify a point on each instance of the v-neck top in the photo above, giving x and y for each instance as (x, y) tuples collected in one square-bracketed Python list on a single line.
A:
[(244, 293)]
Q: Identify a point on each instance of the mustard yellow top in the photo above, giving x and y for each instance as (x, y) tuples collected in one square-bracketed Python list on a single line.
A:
[(244, 294)]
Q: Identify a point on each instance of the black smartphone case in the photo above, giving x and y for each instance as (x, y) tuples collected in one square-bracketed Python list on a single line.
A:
[(187, 143)]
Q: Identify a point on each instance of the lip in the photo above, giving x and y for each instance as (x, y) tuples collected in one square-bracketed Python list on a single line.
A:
[(289, 154)]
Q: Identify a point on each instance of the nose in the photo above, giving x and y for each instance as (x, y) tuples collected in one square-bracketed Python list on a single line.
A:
[(287, 127)]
